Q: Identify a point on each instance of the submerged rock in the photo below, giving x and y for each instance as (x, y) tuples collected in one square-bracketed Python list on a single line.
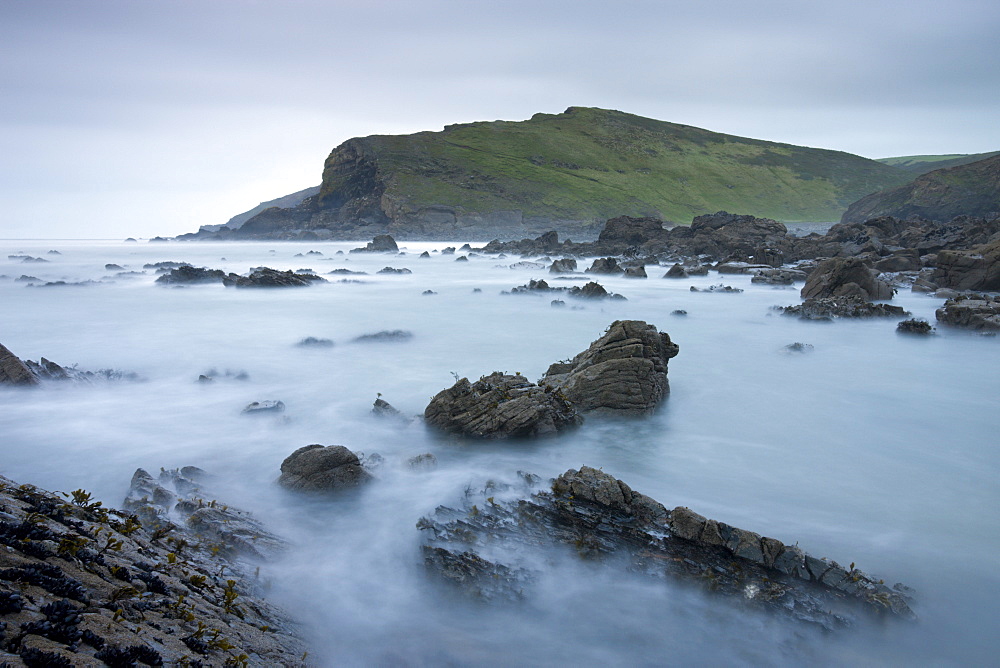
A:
[(500, 406), (828, 308), (391, 270), (261, 407), (385, 336), (624, 371), (719, 288), (313, 342), (188, 274), (564, 266), (384, 410), (318, 468), (601, 518), (914, 326)]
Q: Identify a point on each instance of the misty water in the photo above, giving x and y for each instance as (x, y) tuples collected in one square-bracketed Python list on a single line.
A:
[(873, 448)]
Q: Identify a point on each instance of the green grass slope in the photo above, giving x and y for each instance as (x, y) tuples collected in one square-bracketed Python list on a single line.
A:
[(593, 164), (921, 164), (972, 189)]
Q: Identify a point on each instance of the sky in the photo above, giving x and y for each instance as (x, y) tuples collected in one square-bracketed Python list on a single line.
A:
[(153, 117)]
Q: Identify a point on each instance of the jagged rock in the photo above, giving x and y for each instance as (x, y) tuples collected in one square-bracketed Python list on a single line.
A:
[(601, 518), (382, 243), (676, 271), (477, 577), (977, 269), (798, 347), (973, 311), (914, 326), (591, 290), (262, 407), (500, 406), (188, 274), (318, 468), (265, 277), (13, 371), (384, 410), (827, 308), (425, 254), (605, 265), (348, 272), (385, 336), (141, 581), (393, 271), (624, 371), (845, 277), (557, 303), (564, 266), (462, 258)]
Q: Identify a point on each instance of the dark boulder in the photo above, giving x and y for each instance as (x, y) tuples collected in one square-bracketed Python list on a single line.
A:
[(564, 266), (382, 243), (914, 326), (778, 276), (632, 231), (385, 336), (676, 271), (635, 272), (392, 270), (605, 265), (500, 406), (318, 468), (845, 277), (623, 372)]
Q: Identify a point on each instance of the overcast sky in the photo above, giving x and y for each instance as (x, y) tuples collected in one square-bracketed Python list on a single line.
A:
[(142, 117)]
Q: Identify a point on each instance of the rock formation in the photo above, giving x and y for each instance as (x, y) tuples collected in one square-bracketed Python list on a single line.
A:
[(972, 311), (845, 277), (624, 371), (977, 269), (13, 371), (318, 468), (500, 406)]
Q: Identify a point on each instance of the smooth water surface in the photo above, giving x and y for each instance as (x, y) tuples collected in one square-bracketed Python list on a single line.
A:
[(873, 448)]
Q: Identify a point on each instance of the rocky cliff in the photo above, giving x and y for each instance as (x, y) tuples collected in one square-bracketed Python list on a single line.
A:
[(568, 172), (966, 190)]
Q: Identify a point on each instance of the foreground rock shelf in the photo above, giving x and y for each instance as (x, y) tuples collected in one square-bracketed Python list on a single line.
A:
[(82, 585), (599, 517)]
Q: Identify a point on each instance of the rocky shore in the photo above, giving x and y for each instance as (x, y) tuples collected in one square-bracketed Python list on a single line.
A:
[(173, 579)]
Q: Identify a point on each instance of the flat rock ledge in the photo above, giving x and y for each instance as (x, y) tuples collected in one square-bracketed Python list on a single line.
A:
[(829, 308), (500, 406), (602, 518), (623, 372), (972, 311), (84, 585)]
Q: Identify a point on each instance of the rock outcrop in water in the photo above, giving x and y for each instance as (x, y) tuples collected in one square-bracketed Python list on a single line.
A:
[(623, 372), (318, 468), (977, 269), (603, 519), (828, 308), (265, 277), (500, 406), (85, 585), (973, 311), (382, 243), (845, 277), (13, 371)]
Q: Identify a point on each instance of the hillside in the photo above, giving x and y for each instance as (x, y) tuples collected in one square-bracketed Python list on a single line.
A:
[(285, 202), (921, 164), (972, 189), (569, 172)]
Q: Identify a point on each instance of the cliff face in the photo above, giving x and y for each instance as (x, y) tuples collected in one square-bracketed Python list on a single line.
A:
[(971, 190), (565, 172)]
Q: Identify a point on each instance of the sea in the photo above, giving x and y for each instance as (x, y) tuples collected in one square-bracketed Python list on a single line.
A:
[(865, 447)]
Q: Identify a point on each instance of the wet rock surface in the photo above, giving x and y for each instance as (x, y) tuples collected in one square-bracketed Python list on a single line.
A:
[(622, 372), (265, 277), (187, 274), (599, 518), (85, 585), (828, 308), (500, 406), (915, 326), (977, 269), (319, 468), (13, 371), (972, 311), (845, 277)]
